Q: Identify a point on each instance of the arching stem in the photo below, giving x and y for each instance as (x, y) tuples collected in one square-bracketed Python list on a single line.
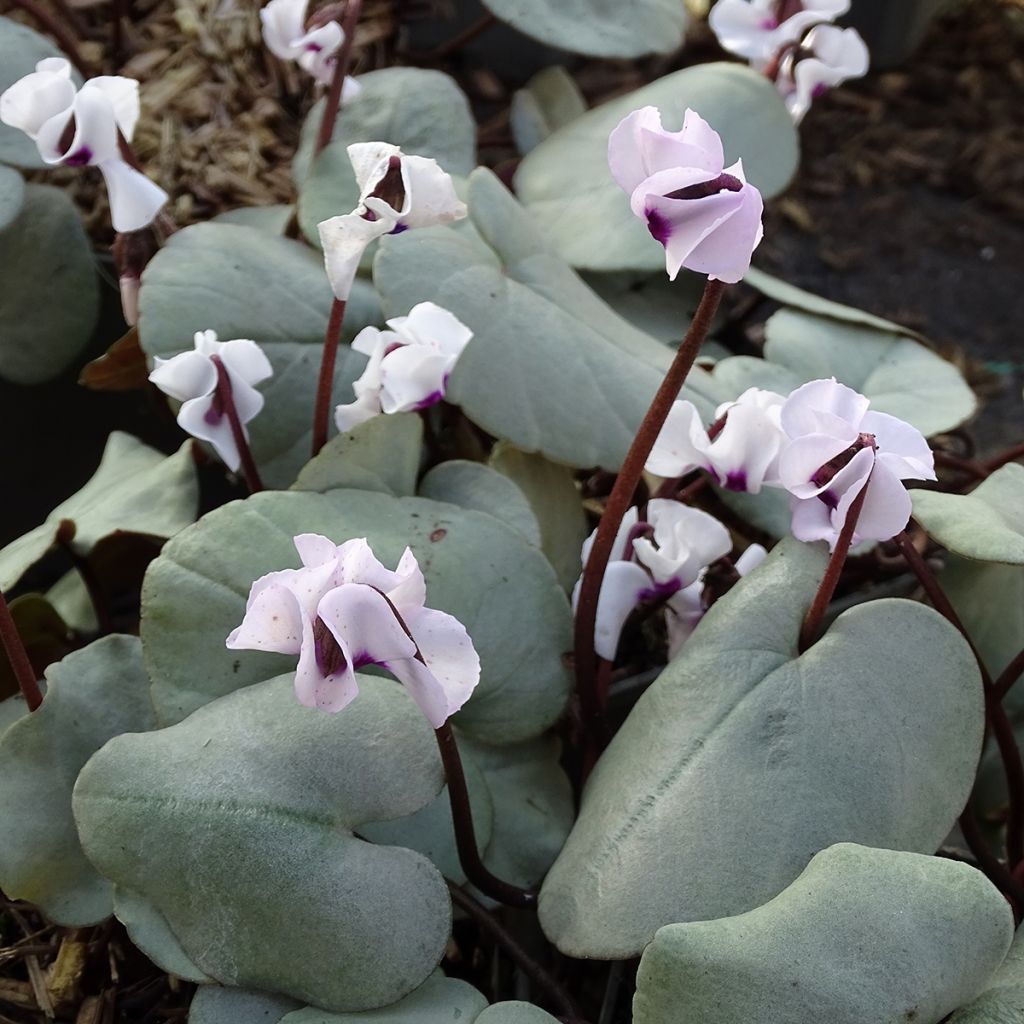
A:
[(325, 385), (18, 657), (332, 101), (241, 439)]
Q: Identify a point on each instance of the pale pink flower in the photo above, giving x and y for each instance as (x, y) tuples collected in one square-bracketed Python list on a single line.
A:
[(315, 50), (758, 30), (826, 57)]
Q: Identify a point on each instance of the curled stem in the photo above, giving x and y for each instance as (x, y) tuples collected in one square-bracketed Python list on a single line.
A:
[(227, 400), (594, 724), (1009, 676), (322, 408), (333, 99), (18, 657), (1000, 460)]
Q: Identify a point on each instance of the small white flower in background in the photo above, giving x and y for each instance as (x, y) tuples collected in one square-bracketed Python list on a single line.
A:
[(397, 192), (826, 57), (652, 560), (706, 215), (192, 379), (79, 127), (409, 365), (284, 32), (344, 610), (743, 456), (836, 448), (758, 29)]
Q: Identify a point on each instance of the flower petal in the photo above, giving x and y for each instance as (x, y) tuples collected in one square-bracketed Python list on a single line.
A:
[(370, 163), (184, 376), (364, 623), (801, 459), (413, 377), (682, 445), (685, 541), (246, 361), (724, 253), (621, 588), (432, 325), (365, 407), (902, 447), (134, 199), (316, 550), (200, 418), (683, 613), (283, 22), (430, 194), (799, 412), (344, 240), (622, 548), (273, 622), (39, 97), (123, 96), (887, 506)]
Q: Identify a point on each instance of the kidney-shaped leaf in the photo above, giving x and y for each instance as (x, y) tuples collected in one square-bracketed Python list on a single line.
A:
[(744, 759), (236, 824), (565, 182), (477, 569), (92, 695), (987, 524), (1002, 1001), (862, 935), (515, 1012), (541, 336), (215, 1004)]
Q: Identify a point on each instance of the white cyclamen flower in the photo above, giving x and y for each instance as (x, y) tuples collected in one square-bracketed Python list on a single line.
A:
[(744, 454), (409, 365), (396, 192), (284, 32), (758, 30), (652, 560), (79, 127), (344, 610), (192, 378), (837, 447), (826, 57)]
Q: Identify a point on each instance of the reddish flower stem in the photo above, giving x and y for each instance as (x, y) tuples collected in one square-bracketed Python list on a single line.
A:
[(989, 864), (1009, 676), (827, 587), (18, 657), (332, 101), (60, 31), (999, 722), (249, 470), (594, 725), (997, 462), (322, 408)]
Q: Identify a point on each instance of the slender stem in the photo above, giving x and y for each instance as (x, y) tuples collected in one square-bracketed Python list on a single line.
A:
[(322, 409), (333, 99), (1009, 676), (998, 461), (594, 724), (991, 866), (60, 31), (465, 836), (249, 470), (829, 582), (488, 923), (999, 722), (972, 469), (18, 657)]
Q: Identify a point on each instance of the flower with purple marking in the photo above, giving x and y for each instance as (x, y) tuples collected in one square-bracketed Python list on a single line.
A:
[(313, 49), (827, 56), (409, 365), (344, 610), (836, 449), (706, 215), (741, 452), (397, 192), (196, 379), (79, 127), (653, 560)]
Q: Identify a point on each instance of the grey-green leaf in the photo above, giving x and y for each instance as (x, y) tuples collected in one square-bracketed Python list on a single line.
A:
[(548, 101), (92, 695), (271, 219), (243, 283), (1002, 1001), (136, 489), (382, 454), (745, 758), (45, 251), (12, 195), (152, 934), (236, 824), (567, 186), (550, 368), (862, 935), (515, 1012), (477, 569), (214, 1004), (987, 524)]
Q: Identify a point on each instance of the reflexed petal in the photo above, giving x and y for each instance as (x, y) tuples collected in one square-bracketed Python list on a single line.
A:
[(134, 199), (363, 622), (621, 588), (902, 447), (246, 361), (685, 541), (409, 591), (812, 520), (699, 135), (433, 325), (315, 690), (344, 240), (198, 418), (370, 163), (886, 508), (620, 551), (625, 148), (283, 21), (365, 407), (798, 413), (429, 194), (413, 377), (750, 559), (369, 340), (123, 96), (838, 54), (724, 253), (184, 376), (682, 444), (802, 458), (683, 612), (95, 138), (350, 90), (744, 27), (661, 183), (315, 550), (358, 564), (39, 97), (746, 451), (273, 622)]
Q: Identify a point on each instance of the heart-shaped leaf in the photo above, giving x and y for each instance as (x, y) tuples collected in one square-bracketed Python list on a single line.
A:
[(861, 935), (550, 100), (515, 1012), (477, 569), (214, 1004), (243, 283), (745, 758), (120, 498), (236, 824), (92, 695), (565, 182), (987, 524), (1002, 1001), (271, 219), (539, 334)]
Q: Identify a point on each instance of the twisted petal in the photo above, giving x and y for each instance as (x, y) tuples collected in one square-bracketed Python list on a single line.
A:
[(245, 361), (838, 54), (274, 620), (683, 612), (746, 452), (887, 506), (365, 407), (750, 559), (621, 589), (344, 240), (134, 199), (621, 549), (801, 459), (45, 94), (724, 253), (429, 195), (413, 377), (184, 376), (200, 418), (433, 325), (284, 22), (744, 27), (902, 447), (682, 445), (685, 541), (123, 96), (363, 622), (801, 412), (812, 520), (370, 163), (315, 52), (316, 550)]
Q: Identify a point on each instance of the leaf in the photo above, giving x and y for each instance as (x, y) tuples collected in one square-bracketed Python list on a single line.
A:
[(151, 933), (120, 497), (584, 215), (744, 759), (422, 111), (1002, 1001), (987, 524), (439, 1000), (45, 252), (274, 220), (20, 50), (476, 569), (861, 935), (213, 1004), (596, 28), (12, 193), (92, 695), (474, 485), (550, 368), (11, 710), (552, 493), (515, 1012), (548, 101), (382, 454), (236, 824)]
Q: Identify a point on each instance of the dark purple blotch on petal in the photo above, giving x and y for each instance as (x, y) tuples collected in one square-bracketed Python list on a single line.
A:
[(432, 399), (736, 480), (79, 158), (819, 90), (398, 229), (659, 226), (215, 413), (330, 658), (661, 591)]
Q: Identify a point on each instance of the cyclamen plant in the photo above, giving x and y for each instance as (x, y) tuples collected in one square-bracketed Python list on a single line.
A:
[(689, 663)]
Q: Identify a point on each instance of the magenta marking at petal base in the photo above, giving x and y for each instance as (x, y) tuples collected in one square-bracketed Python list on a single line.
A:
[(79, 158), (736, 480), (432, 399), (659, 226), (660, 591)]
